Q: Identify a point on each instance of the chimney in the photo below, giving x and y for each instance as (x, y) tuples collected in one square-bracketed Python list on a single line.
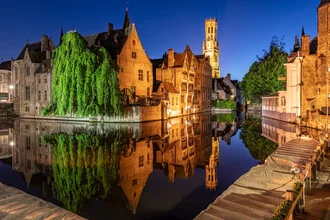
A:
[(170, 58), (110, 27), (228, 75), (44, 43), (305, 45)]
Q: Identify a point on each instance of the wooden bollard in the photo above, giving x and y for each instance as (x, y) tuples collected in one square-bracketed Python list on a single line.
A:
[(289, 195)]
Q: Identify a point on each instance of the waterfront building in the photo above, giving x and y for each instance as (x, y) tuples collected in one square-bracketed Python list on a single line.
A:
[(6, 142), (225, 88), (185, 80), (134, 66), (306, 98), (32, 77), (5, 82)]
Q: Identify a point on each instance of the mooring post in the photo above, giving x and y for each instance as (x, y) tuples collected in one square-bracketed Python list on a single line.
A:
[(308, 178)]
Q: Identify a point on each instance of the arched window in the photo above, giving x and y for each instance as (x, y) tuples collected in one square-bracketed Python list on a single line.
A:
[(212, 30), (209, 29), (283, 101)]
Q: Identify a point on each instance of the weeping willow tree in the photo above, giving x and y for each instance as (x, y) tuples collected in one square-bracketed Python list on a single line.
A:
[(84, 82), (84, 166)]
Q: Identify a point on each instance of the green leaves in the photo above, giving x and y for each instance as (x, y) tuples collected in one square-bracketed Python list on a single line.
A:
[(224, 104), (84, 82), (262, 77)]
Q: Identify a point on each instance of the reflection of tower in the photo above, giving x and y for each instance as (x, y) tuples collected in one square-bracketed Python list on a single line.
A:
[(134, 171), (211, 178), (211, 45)]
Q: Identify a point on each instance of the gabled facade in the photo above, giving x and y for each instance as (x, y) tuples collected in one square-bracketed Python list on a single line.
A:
[(32, 65), (190, 75), (125, 48)]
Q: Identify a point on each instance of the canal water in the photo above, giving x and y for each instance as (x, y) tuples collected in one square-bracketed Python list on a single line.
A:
[(159, 170)]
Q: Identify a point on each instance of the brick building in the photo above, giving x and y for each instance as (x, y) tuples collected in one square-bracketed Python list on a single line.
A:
[(125, 48)]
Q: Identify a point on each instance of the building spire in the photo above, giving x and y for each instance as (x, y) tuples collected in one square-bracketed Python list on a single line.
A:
[(126, 21), (303, 31), (61, 35), (296, 44)]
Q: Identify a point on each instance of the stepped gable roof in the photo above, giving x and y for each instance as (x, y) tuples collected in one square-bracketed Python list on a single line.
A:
[(34, 51), (5, 65)]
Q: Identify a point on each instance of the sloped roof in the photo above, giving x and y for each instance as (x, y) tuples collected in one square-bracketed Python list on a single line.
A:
[(324, 2), (5, 65), (156, 85), (45, 65), (35, 53), (169, 87)]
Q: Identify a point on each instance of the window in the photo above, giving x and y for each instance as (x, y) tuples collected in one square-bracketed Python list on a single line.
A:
[(209, 30), (40, 141), (134, 55), (28, 71), (134, 182), (133, 42), (28, 142), (27, 93), (45, 95), (177, 100), (212, 30), (39, 80), (122, 69), (147, 76), (1, 77), (148, 91), (27, 108), (28, 164), (173, 101), (141, 161), (141, 75), (133, 88), (27, 127), (4, 88), (46, 80), (39, 95), (182, 98)]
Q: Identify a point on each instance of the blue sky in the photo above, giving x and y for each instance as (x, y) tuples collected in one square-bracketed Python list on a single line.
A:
[(245, 27)]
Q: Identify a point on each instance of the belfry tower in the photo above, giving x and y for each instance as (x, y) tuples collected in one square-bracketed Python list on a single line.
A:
[(211, 45)]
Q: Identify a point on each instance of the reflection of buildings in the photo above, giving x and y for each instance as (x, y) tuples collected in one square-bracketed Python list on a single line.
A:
[(5, 143), (225, 129), (176, 146), (277, 131), (30, 155), (134, 169)]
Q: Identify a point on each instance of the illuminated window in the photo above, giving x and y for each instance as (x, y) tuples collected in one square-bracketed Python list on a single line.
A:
[(4, 88), (141, 75), (27, 93), (134, 55), (141, 161)]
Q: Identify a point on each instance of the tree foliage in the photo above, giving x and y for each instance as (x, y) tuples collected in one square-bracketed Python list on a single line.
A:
[(84, 166), (224, 104), (84, 82), (262, 77), (259, 147)]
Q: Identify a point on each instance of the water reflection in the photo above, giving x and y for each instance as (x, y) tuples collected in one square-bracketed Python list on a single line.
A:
[(81, 161)]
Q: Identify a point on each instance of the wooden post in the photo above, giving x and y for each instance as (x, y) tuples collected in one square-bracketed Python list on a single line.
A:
[(289, 197), (308, 179)]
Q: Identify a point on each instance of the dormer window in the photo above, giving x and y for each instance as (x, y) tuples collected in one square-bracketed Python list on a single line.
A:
[(134, 55)]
